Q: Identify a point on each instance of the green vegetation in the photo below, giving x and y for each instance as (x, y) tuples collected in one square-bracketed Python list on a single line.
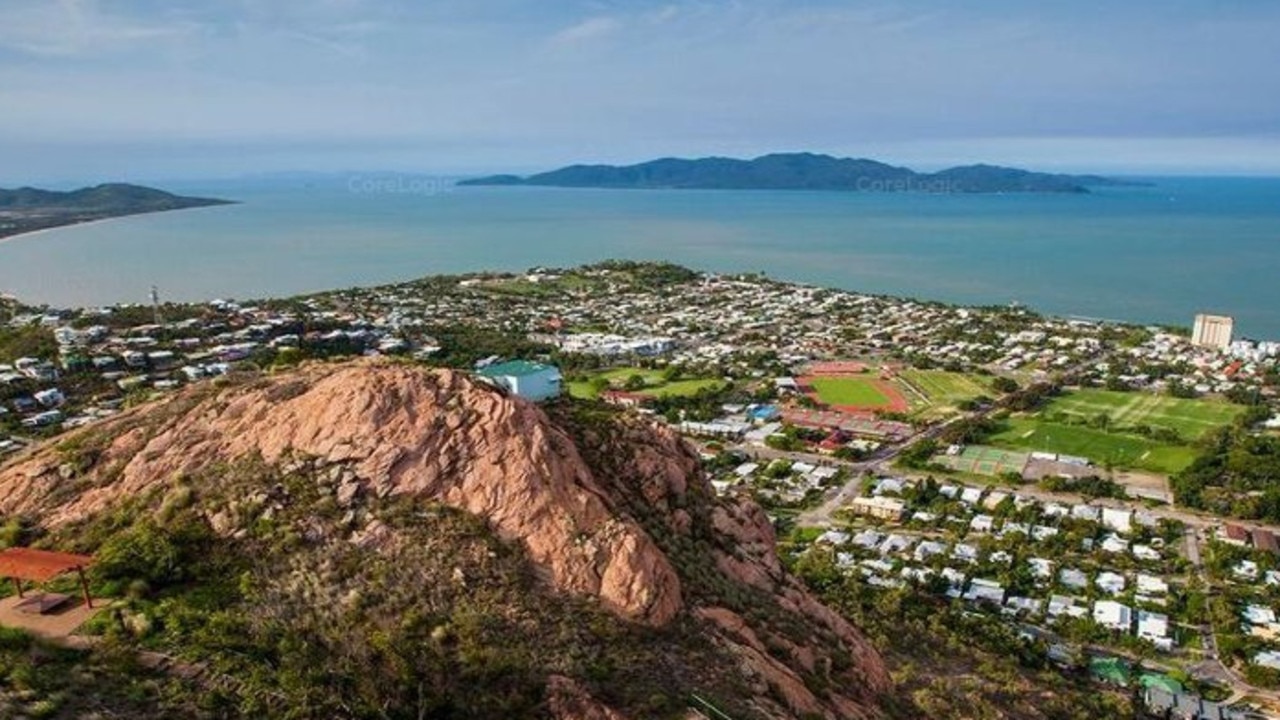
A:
[(27, 341), (929, 643), (1090, 487), (945, 391), (285, 612), (292, 619), (40, 680), (648, 275), (858, 391), (1190, 419), (799, 171), (645, 381), (520, 285), (1117, 429), (33, 209), (1101, 446), (1238, 475), (461, 346)]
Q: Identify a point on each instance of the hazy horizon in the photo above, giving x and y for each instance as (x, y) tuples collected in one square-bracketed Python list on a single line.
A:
[(144, 89)]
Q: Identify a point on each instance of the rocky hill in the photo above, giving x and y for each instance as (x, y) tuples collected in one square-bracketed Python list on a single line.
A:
[(27, 209), (377, 539), (802, 171)]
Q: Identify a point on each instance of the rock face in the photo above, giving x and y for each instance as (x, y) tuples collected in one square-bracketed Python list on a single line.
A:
[(574, 502)]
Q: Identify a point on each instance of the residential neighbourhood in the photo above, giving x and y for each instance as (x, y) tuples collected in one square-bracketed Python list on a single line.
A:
[(1014, 465)]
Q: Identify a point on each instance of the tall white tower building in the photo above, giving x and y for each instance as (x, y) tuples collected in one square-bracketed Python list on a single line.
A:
[(1212, 331)]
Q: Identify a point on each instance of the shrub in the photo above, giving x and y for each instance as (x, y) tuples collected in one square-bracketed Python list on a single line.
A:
[(153, 554)]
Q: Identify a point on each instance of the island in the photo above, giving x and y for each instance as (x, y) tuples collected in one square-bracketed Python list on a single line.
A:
[(29, 209), (803, 171)]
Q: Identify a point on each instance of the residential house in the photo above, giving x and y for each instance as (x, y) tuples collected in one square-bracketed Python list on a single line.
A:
[(983, 590), (927, 549), (1113, 615), (1154, 627), (981, 523), (1065, 605), (1110, 583), (1234, 535), (884, 508), (965, 553), (1073, 578), (1118, 520)]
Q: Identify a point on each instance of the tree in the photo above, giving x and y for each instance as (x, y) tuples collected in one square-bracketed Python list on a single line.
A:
[(1004, 385), (1244, 395), (635, 382), (918, 454)]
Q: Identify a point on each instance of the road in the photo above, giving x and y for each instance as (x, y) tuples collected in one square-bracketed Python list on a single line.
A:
[(1210, 669), (1196, 523)]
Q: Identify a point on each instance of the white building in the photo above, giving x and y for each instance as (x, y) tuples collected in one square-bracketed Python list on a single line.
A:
[(1118, 520), (1110, 583), (1073, 578), (1152, 585), (1269, 658), (529, 380), (927, 549), (1154, 627), (1113, 615), (1212, 331), (983, 590), (1065, 605)]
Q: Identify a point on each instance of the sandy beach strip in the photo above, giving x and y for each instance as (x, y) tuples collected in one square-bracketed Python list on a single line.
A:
[(83, 223)]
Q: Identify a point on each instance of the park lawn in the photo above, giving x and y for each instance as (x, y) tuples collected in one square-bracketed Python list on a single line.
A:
[(1100, 446), (683, 388), (854, 391), (654, 384), (942, 390), (545, 288), (1190, 418)]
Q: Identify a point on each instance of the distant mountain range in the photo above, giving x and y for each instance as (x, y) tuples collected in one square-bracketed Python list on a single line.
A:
[(803, 171), (26, 209)]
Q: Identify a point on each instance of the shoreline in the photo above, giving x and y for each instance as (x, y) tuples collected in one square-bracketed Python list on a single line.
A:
[(54, 228), (95, 221), (1063, 316)]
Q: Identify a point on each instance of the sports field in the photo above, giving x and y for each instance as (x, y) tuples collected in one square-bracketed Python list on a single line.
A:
[(1100, 446), (1058, 428), (861, 392), (937, 392), (1189, 418), (849, 386)]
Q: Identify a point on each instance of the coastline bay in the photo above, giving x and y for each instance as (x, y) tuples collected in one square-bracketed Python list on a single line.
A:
[(1150, 254)]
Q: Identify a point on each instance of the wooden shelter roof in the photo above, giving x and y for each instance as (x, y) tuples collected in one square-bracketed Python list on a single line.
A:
[(39, 565)]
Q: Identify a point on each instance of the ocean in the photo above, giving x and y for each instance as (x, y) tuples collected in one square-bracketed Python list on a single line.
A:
[(1144, 254)]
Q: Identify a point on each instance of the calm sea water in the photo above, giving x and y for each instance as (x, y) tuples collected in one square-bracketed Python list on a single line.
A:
[(1151, 254)]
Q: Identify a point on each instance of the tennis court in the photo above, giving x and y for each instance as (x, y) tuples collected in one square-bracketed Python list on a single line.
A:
[(983, 460)]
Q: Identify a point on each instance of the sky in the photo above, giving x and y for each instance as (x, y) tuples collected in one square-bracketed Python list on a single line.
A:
[(95, 90)]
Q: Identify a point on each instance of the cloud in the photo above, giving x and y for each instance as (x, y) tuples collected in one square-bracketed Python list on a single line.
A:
[(71, 28), (586, 31), (345, 49)]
